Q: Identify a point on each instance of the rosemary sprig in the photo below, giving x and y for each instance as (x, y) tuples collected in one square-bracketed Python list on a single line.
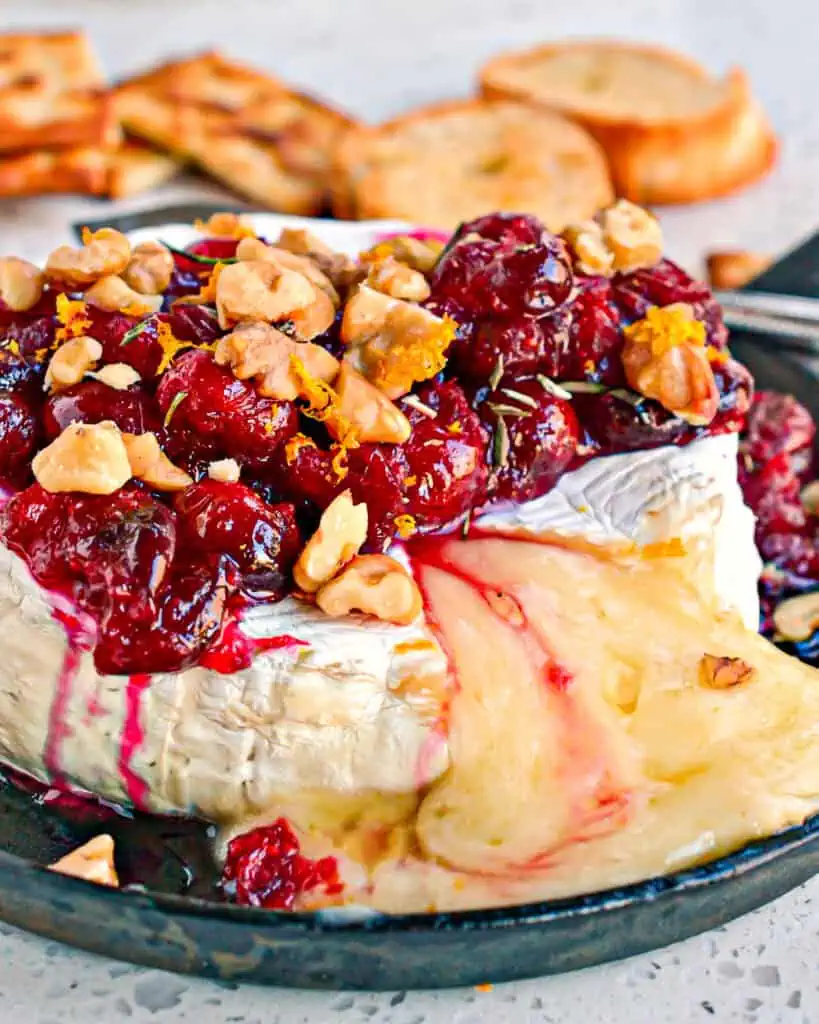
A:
[(501, 409), (519, 396), (135, 331), (497, 373), (194, 257), (414, 402), (501, 444), (176, 401), (551, 388)]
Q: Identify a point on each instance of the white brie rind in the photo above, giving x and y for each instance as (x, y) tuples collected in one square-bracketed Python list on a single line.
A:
[(358, 709)]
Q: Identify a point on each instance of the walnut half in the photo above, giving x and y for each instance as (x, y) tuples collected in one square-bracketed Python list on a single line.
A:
[(722, 673)]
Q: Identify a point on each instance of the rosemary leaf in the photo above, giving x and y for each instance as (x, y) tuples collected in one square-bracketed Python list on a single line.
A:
[(176, 401), (500, 445), (583, 387), (135, 331), (497, 373), (414, 402), (551, 388), (519, 396), (205, 261), (500, 409)]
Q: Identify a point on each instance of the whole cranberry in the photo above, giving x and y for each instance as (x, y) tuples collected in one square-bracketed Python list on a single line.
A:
[(663, 285), (480, 278), (188, 614), (533, 448), (510, 228), (264, 541), (446, 458), (30, 336), (224, 411), (21, 373), (91, 401), (376, 474), (772, 492), (796, 553), (194, 323), (613, 424), (595, 340), (103, 550), (519, 346), (265, 868), (736, 388), (109, 328), (19, 434), (776, 424), (139, 349)]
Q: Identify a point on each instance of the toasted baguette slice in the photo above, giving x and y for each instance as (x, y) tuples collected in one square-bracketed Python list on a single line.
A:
[(136, 168), (733, 268), (51, 93), (449, 162), (83, 171), (672, 133), (245, 128)]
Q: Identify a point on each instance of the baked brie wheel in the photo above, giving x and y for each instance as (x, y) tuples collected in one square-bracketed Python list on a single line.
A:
[(421, 569)]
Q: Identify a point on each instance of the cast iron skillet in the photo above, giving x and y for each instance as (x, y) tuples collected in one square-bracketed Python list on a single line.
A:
[(174, 920)]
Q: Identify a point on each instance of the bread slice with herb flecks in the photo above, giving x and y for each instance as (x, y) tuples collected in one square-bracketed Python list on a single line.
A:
[(452, 161), (672, 132)]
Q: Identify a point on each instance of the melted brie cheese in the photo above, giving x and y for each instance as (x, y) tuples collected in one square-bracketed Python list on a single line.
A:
[(356, 711)]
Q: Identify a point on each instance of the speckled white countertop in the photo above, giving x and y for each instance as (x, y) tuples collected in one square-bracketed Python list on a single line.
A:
[(377, 57)]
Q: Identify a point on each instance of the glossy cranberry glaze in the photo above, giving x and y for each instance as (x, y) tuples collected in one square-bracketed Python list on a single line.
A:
[(265, 868), (166, 576)]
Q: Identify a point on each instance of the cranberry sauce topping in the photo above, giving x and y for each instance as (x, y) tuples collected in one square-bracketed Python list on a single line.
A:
[(533, 385), (266, 868), (775, 465)]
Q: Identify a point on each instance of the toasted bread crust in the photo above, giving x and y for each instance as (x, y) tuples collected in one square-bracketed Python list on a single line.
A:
[(733, 268), (451, 161), (136, 168), (712, 140), (246, 128), (83, 171), (51, 93)]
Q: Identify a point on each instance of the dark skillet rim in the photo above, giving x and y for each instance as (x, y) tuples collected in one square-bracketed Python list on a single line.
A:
[(747, 859)]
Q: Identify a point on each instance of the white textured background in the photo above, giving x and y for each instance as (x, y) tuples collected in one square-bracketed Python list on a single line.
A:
[(378, 57)]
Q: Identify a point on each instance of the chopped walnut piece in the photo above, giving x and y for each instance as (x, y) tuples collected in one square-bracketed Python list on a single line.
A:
[(665, 358), (398, 280), (721, 673), (115, 296), (341, 532), (256, 249), (72, 360), (261, 351), (258, 290), (796, 618), (151, 465), (227, 471), (93, 861), (21, 284), (633, 235), (591, 254), (87, 457), (303, 243), (226, 225), (119, 376), (392, 342), (150, 268), (375, 585), (103, 254), (420, 254), (367, 410)]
